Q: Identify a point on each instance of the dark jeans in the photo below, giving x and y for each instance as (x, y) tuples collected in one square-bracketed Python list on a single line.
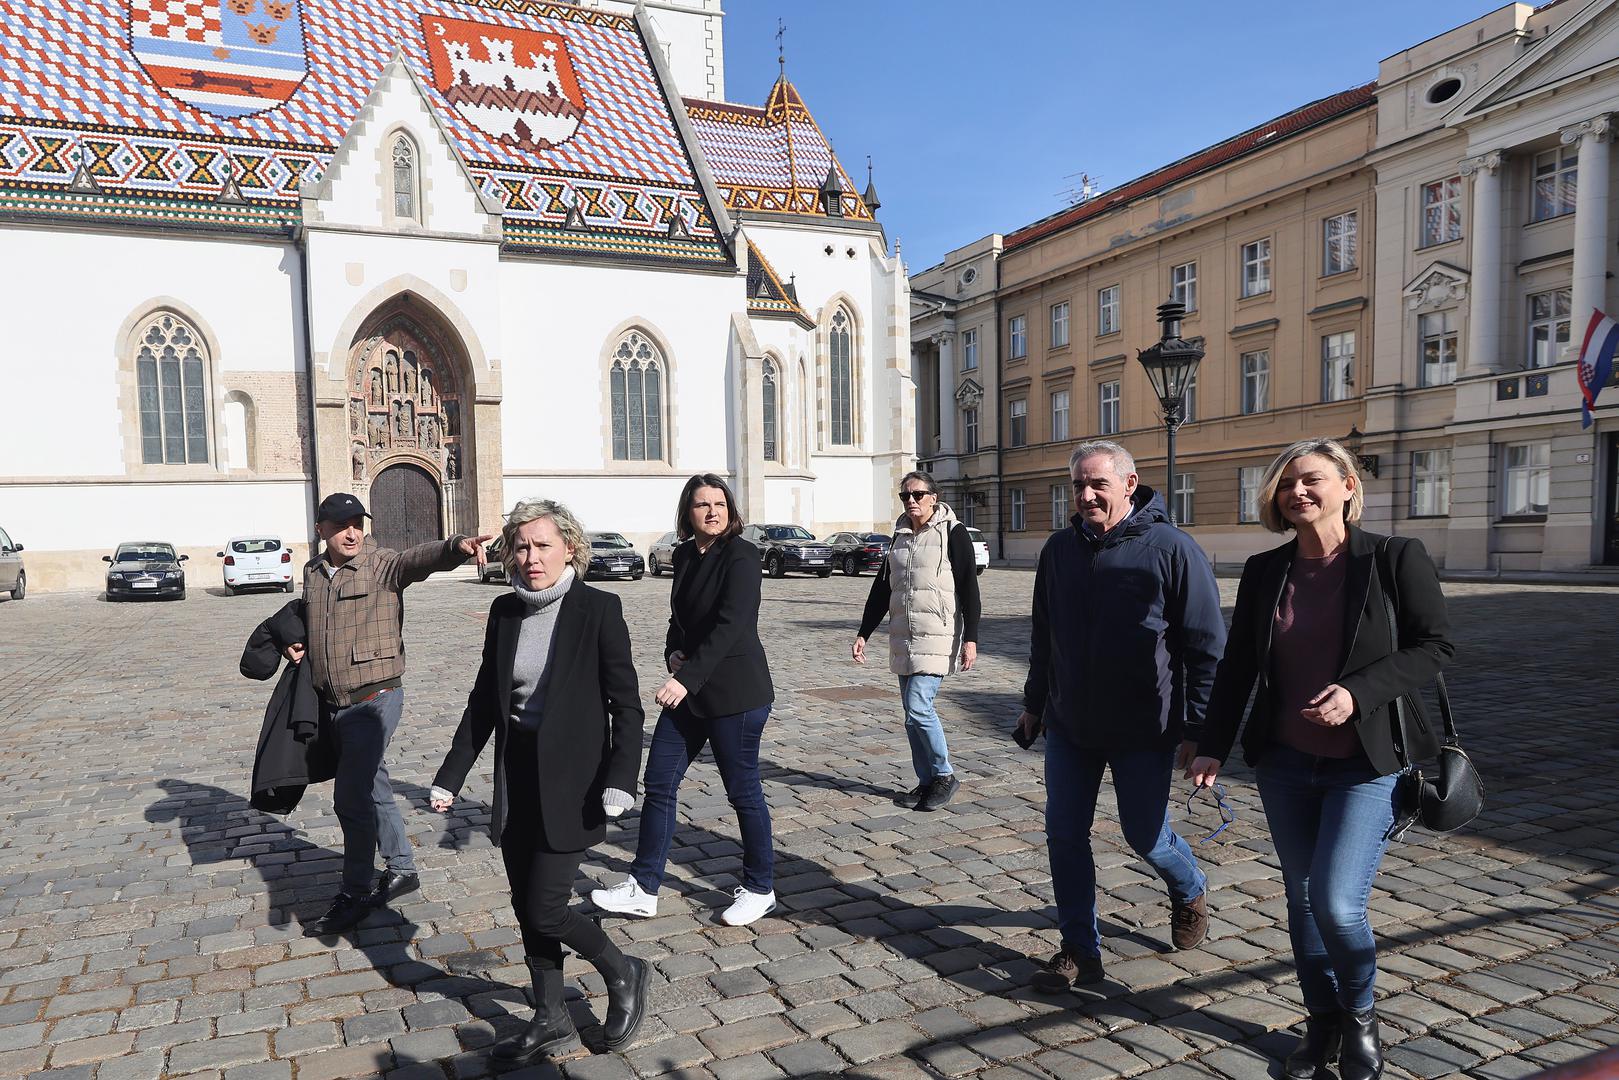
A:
[(362, 795), (541, 879), (676, 742), (1329, 819), (1141, 781)]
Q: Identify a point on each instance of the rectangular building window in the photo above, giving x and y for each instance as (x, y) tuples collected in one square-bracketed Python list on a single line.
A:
[(969, 350), (1527, 479), (1060, 506), (1107, 310), (1340, 242), (969, 431), (1059, 325), (1107, 419), (1019, 514), (1556, 181), (1185, 495), (1430, 483), (1183, 284), (1059, 415), (1017, 427), (1017, 338), (1442, 211), (1189, 400), (1256, 267), (1548, 327), (1255, 381), (1338, 366), (1248, 479), (968, 512), (1438, 335)]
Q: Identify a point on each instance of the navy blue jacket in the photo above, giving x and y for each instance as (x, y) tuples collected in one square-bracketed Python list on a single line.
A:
[(1127, 633)]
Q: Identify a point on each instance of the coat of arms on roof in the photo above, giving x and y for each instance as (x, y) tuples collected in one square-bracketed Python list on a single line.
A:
[(517, 85), (222, 57)]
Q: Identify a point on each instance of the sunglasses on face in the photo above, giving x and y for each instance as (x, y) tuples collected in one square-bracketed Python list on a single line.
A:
[(1227, 814), (913, 496)]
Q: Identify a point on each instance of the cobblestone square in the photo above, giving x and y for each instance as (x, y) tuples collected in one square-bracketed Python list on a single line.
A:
[(150, 919)]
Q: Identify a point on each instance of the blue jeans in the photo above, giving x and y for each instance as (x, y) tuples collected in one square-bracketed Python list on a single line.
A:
[(1330, 820), (676, 742), (930, 756), (362, 795), (1141, 781)]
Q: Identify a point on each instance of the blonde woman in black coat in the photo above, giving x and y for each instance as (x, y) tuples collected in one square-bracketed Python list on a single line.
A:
[(557, 689)]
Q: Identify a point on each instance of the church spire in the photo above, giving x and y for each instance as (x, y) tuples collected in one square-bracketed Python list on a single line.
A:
[(870, 196)]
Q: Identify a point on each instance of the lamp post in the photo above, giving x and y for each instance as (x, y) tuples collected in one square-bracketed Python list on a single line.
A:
[(1170, 366)]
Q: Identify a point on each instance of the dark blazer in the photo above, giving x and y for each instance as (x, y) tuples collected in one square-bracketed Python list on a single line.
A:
[(590, 736), (1373, 669), (294, 750), (714, 620)]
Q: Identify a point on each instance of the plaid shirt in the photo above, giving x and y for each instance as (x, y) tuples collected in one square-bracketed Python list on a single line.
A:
[(356, 616)]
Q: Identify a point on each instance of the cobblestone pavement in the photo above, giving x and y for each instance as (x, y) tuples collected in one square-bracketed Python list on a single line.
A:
[(150, 920)]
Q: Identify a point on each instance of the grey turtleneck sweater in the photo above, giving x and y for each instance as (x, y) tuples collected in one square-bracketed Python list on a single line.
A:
[(531, 668)]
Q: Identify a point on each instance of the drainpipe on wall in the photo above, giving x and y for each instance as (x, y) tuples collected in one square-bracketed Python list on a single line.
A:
[(1000, 479), (301, 238)]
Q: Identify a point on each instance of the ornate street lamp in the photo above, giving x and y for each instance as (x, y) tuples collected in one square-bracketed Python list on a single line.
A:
[(1171, 365)]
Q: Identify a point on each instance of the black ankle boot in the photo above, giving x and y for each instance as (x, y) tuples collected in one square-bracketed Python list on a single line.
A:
[(627, 981), (1323, 1033), (1361, 1057), (550, 1033)]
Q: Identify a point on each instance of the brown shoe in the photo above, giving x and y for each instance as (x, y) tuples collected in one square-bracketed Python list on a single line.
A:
[(1189, 922), (1066, 971)]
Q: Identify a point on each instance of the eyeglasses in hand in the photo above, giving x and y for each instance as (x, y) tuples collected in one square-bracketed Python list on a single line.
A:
[(1227, 814)]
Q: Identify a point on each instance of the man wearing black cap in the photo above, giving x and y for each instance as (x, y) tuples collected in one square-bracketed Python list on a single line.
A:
[(356, 653)]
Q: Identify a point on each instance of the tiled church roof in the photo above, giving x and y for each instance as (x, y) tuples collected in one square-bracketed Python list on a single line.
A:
[(771, 159), (767, 297), (1289, 124), (165, 100)]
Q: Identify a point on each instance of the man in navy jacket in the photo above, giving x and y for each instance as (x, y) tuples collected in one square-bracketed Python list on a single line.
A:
[(1127, 633)]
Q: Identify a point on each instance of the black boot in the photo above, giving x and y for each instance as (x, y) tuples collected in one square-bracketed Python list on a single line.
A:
[(551, 1032), (626, 979), (1362, 1055), (1323, 1033)]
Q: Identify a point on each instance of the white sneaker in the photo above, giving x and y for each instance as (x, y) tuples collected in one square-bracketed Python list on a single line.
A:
[(748, 907), (626, 898)]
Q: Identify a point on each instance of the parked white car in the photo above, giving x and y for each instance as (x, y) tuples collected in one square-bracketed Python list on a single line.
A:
[(980, 548), (256, 561)]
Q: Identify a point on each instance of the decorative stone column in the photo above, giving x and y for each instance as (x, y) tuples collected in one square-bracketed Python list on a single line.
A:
[(1484, 311), (947, 393), (1590, 225)]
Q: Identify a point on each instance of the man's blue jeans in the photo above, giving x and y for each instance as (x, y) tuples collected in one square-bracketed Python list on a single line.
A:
[(676, 742), (362, 794), (1141, 781), (930, 756), (1330, 821)]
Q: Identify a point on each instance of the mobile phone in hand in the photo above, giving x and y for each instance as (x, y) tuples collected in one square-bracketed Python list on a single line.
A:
[(1026, 740)]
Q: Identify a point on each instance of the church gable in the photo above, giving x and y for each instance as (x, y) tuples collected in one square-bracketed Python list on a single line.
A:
[(218, 111), (1581, 47)]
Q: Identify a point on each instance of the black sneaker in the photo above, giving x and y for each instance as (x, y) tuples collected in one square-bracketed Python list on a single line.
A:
[(940, 792), (391, 885), (344, 914), (909, 799)]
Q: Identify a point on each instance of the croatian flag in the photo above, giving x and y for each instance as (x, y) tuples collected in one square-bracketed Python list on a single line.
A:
[(1596, 362)]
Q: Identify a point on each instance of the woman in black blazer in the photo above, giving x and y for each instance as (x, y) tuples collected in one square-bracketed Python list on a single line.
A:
[(1311, 629), (557, 689), (718, 693)]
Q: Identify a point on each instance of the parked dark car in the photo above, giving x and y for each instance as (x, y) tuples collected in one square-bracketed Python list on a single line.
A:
[(494, 569), (12, 577), (662, 553), (613, 556), (785, 549), (145, 568), (853, 552)]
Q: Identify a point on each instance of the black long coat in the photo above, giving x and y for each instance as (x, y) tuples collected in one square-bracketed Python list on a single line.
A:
[(1374, 669), (295, 750), (590, 736), (714, 620)]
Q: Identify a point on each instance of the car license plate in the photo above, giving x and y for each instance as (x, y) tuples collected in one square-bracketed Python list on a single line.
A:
[(260, 577), (143, 584), (813, 560)]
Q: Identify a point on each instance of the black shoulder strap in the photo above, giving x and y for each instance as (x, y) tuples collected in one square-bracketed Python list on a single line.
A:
[(1385, 578)]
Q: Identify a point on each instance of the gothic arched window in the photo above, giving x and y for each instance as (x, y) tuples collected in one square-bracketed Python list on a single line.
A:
[(170, 362), (636, 382), (404, 178), (770, 411), (841, 377)]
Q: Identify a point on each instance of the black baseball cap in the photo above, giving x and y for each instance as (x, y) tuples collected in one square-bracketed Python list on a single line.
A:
[(340, 507)]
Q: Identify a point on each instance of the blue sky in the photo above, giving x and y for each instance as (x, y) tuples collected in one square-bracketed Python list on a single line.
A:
[(974, 114)]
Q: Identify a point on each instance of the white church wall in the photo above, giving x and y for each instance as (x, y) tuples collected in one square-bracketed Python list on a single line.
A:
[(691, 37)]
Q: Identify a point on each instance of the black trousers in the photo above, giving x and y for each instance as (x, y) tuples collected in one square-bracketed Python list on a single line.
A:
[(541, 879)]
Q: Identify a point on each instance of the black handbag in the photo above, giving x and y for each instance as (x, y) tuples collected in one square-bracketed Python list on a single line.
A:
[(1455, 795)]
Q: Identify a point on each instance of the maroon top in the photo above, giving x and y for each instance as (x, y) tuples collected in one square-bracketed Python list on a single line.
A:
[(1306, 651)]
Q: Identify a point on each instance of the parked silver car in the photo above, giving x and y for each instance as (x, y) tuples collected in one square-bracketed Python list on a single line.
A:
[(661, 555), (13, 578)]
